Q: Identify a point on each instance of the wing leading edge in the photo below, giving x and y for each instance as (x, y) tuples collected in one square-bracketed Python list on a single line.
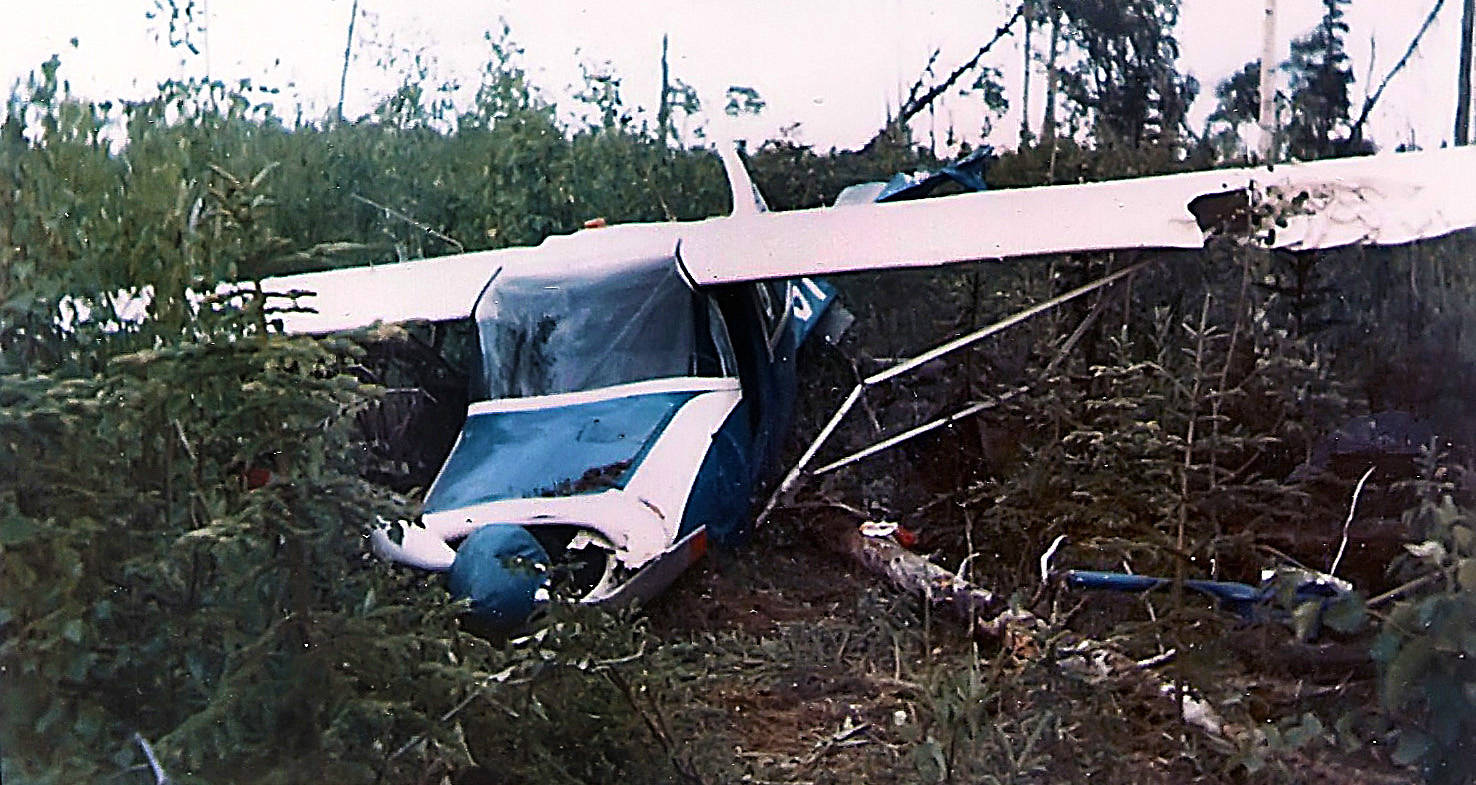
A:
[(1383, 200), (437, 289)]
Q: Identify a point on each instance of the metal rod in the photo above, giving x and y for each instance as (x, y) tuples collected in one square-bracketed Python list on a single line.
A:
[(422, 226), (914, 432), (794, 474), (1003, 324), (968, 411)]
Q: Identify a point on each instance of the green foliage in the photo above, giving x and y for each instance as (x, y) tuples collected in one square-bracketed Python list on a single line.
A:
[(1200, 403), (1426, 645), (743, 100), (152, 583), (1127, 81), (578, 707), (1313, 115), (148, 586), (1320, 76)]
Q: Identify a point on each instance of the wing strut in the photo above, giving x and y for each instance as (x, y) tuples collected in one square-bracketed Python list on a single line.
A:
[(791, 480), (973, 408)]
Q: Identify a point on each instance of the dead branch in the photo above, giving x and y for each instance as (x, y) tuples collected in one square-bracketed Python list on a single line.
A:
[(916, 103), (1352, 510), (348, 49), (913, 574), (421, 225), (1369, 101), (655, 723), (160, 778), (917, 86), (1403, 589), (471, 697)]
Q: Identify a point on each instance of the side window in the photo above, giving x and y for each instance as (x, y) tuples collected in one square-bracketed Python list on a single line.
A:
[(714, 350), (773, 299), (719, 329)]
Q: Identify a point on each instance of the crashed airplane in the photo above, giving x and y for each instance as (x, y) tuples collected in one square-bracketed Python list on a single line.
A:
[(636, 381)]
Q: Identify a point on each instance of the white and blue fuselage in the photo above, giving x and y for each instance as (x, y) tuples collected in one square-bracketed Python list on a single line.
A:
[(621, 418)]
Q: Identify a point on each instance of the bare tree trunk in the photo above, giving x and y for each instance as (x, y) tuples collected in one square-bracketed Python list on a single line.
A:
[(1268, 83), (1048, 124), (1053, 79), (663, 112), (348, 49), (1025, 74), (1463, 79)]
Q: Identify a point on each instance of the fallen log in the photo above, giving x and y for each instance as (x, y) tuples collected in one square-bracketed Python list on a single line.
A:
[(1082, 657), (915, 575)]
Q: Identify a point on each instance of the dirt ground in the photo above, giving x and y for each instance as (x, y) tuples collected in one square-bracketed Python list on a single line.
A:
[(824, 674)]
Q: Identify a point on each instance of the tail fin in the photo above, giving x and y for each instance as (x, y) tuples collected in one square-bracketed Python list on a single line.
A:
[(746, 197)]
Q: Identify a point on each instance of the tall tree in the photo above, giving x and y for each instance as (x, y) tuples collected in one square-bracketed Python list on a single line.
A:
[(348, 50), (1126, 81), (1463, 77), (663, 112), (1320, 74), (1053, 84), (1237, 102), (1030, 14)]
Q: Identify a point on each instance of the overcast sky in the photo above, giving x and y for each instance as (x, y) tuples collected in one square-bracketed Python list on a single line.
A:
[(832, 66)]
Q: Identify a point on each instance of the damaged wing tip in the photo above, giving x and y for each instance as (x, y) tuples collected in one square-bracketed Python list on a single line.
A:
[(1224, 212)]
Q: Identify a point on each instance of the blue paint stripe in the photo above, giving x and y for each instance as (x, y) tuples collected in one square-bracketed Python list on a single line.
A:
[(720, 493)]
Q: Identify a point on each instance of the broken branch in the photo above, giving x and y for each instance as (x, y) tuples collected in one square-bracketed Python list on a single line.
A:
[(917, 103), (914, 574), (1352, 510), (1368, 103)]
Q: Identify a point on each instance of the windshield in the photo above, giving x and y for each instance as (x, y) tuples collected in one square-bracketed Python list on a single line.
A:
[(545, 333)]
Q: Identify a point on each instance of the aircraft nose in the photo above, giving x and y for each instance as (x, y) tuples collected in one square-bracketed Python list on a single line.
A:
[(501, 568)]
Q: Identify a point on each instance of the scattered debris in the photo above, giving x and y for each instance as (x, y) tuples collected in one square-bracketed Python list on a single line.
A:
[(598, 478), (1020, 631)]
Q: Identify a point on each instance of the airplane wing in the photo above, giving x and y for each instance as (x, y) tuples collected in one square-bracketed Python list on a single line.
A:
[(446, 287), (1384, 199), (436, 289)]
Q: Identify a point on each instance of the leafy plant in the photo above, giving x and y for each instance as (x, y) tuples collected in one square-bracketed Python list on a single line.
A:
[(1426, 645)]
